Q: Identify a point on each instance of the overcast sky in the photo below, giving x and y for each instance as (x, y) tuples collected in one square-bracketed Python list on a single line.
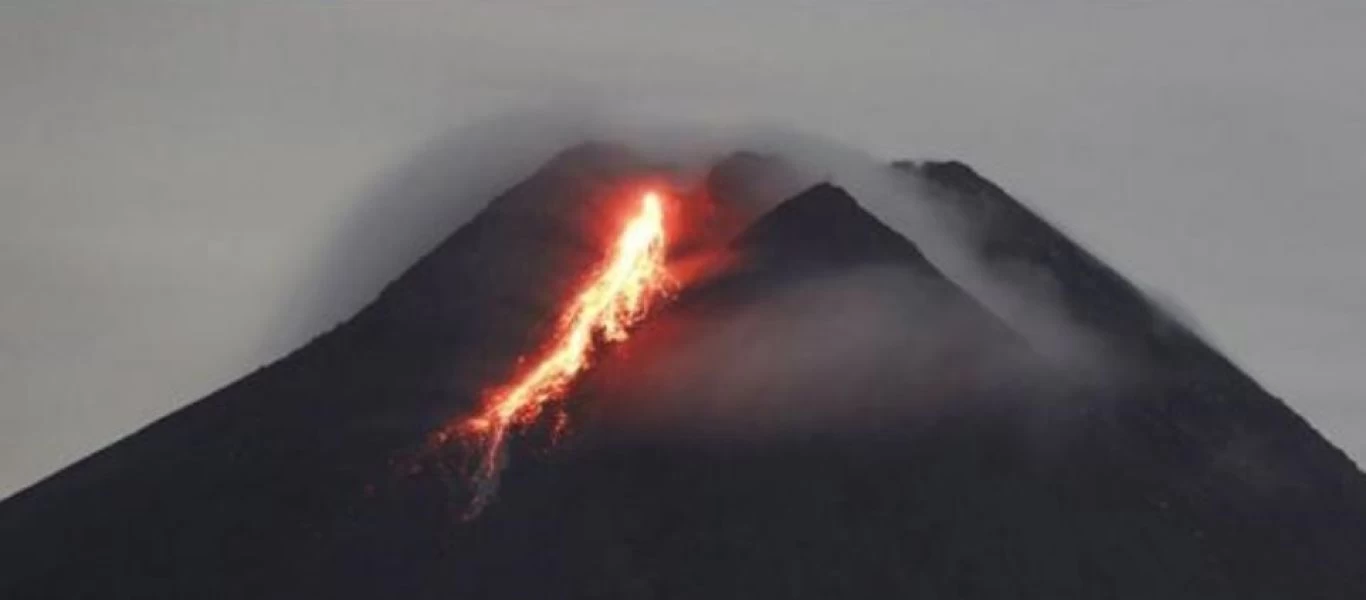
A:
[(173, 175)]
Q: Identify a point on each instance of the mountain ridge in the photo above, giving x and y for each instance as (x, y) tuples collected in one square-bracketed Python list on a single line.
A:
[(288, 482)]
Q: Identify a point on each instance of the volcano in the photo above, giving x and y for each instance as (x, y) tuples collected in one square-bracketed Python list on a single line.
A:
[(821, 411)]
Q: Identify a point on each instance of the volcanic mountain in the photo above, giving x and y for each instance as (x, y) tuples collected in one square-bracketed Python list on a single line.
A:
[(822, 411)]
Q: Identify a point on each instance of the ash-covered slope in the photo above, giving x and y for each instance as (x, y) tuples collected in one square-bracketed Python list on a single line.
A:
[(746, 442)]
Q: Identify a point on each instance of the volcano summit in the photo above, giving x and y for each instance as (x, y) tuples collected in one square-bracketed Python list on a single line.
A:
[(821, 410)]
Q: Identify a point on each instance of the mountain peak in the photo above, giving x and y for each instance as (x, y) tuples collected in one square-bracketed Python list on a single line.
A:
[(825, 225), (292, 482)]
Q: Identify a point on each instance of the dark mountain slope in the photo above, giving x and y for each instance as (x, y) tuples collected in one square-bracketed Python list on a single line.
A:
[(822, 296), (835, 419), (247, 492), (824, 226), (964, 503), (1007, 232), (1215, 425), (1213, 390)]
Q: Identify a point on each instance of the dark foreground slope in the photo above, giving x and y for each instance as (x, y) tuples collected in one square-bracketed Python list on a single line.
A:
[(745, 443), (254, 491)]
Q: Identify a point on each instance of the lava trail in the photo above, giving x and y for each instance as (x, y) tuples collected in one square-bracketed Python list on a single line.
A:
[(614, 299)]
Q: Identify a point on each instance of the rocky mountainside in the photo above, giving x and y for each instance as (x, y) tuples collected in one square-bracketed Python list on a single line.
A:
[(828, 415)]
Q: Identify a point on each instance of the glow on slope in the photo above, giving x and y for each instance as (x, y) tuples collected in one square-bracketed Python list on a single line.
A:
[(617, 297)]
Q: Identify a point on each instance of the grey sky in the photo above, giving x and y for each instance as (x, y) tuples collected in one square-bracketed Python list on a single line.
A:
[(172, 171)]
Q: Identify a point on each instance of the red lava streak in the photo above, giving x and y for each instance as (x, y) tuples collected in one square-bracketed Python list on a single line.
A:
[(615, 298)]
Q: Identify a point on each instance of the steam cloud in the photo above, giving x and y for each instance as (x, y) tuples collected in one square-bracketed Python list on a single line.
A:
[(788, 363)]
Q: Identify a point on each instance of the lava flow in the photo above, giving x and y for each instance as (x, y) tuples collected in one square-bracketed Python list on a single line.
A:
[(617, 297)]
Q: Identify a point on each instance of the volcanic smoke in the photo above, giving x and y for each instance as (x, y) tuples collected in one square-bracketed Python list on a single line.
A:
[(619, 295)]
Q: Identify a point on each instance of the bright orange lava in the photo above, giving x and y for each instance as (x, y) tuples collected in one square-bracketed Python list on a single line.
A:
[(617, 297)]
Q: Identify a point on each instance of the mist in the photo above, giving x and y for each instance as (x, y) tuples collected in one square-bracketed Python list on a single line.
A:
[(793, 362), (450, 179), (849, 352), (193, 191)]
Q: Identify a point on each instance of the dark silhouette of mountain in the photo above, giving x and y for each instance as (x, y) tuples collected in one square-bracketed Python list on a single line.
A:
[(827, 227), (1199, 382), (1206, 419), (1181, 480)]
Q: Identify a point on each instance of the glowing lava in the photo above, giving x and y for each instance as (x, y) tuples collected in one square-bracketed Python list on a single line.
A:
[(617, 297)]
